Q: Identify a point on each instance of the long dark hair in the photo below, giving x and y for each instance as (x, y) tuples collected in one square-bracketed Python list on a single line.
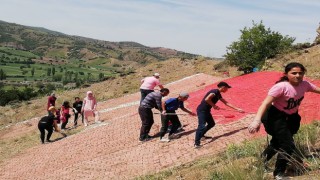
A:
[(288, 68), (66, 104)]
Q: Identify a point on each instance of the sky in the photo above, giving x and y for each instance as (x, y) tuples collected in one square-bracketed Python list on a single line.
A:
[(204, 27)]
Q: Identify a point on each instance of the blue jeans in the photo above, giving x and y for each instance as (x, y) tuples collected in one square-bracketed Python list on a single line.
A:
[(205, 123)]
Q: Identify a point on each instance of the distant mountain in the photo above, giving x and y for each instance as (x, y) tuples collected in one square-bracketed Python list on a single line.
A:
[(49, 44)]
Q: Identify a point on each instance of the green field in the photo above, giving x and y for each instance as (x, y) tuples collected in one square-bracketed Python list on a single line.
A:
[(14, 64)]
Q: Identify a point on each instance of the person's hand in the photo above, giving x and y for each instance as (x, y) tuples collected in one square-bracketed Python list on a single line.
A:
[(254, 126), (164, 112), (216, 107)]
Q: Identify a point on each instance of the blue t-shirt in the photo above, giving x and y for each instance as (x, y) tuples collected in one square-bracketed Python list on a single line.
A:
[(173, 104), (204, 106)]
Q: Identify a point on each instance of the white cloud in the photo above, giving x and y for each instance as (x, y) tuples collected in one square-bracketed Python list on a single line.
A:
[(203, 27)]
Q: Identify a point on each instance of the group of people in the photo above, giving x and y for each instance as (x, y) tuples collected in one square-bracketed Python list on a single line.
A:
[(58, 118), (278, 113)]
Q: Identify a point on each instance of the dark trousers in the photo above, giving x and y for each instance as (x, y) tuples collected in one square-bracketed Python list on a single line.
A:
[(144, 93), (147, 121), (281, 127), (76, 115), (45, 126), (164, 122), (205, 123), (64, 124)]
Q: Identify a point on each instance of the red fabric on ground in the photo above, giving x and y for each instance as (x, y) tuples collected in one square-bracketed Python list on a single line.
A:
[(248, 91)]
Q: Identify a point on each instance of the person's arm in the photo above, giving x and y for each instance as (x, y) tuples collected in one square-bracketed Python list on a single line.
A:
[(163, 105), (230, 105), (316, 90), (82, 108), (159, 103), (255, 124), (55, 125), (188, 111), (208, 100), (160, 86), (142, 81), (95, 105)]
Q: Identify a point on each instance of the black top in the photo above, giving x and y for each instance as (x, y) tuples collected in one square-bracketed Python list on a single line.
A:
[(77, 105), (204, 106)]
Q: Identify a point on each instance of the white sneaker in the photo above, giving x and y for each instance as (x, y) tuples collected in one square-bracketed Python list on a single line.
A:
[(98, 122), (164, 140)]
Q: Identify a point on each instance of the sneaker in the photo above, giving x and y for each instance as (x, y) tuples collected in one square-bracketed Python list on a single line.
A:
[(148, 136), (207, 137), (197, 146), (164, 140), (144, 140), (98, 122), (49, 140), (180, 129)]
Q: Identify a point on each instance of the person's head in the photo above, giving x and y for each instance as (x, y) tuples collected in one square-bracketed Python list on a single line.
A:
[(183, 96), (53, 94), (293, 73), (223, 86), (66, 104), (156, 75), (164, 91), (52, 109), (77, 99)]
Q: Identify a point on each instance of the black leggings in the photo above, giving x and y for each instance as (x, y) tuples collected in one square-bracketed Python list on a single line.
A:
[(45, 126), (281, 127)]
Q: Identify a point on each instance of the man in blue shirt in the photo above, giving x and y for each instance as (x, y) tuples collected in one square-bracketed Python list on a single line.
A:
[(169, 114), (204, 110)]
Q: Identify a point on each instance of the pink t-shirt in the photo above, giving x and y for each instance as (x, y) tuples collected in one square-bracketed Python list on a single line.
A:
[(289, 97), (149, 83)]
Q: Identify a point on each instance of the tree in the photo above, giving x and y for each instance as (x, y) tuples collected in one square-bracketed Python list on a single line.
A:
[(255, 45), (48, 71), (2, 75), (101, 76), (53, 70), (32, 71)]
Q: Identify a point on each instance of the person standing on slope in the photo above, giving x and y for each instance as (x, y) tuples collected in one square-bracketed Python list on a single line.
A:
[(279, 115), (153, 100), (89, 108), (148, 84), (51, 101), (48, 123), (169, 114), (204, 111)]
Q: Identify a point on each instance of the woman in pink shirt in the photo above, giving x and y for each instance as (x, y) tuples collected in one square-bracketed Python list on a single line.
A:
[(89, 108), (279, 115)]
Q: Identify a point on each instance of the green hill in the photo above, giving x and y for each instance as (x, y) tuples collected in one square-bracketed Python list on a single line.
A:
[(44, 49)]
